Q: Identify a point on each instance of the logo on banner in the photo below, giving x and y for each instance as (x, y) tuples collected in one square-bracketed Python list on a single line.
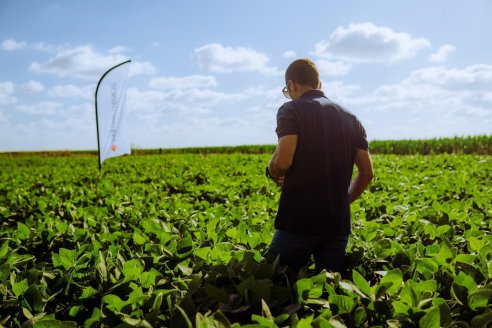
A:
[(113, 147)]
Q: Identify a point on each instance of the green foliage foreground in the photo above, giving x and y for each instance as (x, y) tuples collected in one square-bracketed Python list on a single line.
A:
[(179, 240)]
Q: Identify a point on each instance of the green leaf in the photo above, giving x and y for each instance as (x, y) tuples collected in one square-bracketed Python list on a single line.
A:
[(61, 226), (400, 307), (148, 278), (202, 252), (265, 310), (305, 322), (185, 269), (479, 298), (446, 316), (87, 292), (246, 284), (4, 250), (262, 289), (459, 293), (395, 277), (362, 284), (475, 244), (264, 322), (132, 269), (102, 272), (216, 293), (74, 310), (185, 244), (466, 281), (344, 303), (67, 257), (34, 297), (20, 287), (182, 318), (211, 230), (94, 319), (427, 264), (302, 288), (4, 271), (216, 320), (113, 302), (136, 322), (360, 316), (426, 286), (431, 319), (381, 289), (139, 239), (444, 255), (55, 324), (408, 296), (23, 231), (482, 320)]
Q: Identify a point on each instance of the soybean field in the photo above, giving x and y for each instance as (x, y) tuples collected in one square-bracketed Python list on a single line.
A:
[(179, 240)]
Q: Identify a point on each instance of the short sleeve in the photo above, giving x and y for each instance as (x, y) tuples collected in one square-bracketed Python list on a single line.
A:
[(361, 137), (286, 121)]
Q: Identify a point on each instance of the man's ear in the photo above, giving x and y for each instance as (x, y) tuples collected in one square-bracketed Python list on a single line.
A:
[(292, 85)]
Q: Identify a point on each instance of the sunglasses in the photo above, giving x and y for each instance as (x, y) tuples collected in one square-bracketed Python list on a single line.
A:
[(285, 91)]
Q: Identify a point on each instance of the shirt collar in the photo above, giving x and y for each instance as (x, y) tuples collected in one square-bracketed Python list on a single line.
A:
[(313, 93)]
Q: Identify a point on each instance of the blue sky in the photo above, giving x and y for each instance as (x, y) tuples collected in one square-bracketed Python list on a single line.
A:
[(211, 72)]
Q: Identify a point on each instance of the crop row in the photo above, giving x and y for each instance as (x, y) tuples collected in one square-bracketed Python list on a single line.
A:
[(179, 240)]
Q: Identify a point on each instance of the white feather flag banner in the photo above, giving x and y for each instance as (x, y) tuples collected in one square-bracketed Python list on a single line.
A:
[(112, 139)]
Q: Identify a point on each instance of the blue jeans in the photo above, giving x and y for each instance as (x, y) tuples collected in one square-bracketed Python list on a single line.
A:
[(295, 250)]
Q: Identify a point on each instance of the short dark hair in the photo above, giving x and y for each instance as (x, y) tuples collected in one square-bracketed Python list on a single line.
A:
[(303, 71)]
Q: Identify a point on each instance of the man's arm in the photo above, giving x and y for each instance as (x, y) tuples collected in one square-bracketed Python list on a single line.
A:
[(282, 158), (364, 176)]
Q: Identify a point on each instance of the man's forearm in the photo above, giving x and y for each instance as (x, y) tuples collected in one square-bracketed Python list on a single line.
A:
[(272, 168), (282, 158), (359, 184)]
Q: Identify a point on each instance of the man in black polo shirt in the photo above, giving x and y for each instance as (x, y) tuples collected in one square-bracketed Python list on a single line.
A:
[(318, 144)]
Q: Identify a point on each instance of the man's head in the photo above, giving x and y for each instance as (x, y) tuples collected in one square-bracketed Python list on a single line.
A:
[(301, 76)]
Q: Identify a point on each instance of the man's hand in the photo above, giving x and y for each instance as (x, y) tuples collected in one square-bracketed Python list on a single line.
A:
[(278, 180)]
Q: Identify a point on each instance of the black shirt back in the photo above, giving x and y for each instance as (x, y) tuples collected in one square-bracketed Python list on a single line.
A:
[(314, 199)]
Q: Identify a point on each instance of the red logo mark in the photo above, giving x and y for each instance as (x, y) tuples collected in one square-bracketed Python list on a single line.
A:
[(113, 147)]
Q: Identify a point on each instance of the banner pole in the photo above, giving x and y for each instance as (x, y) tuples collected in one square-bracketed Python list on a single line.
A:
[(98, 142)]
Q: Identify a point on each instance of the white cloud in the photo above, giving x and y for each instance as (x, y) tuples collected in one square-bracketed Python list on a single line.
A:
[(71, 91), (85, 63), (472, 78), (289, 54), (72, 128), (118, 50), (218, 58), (32, 86), (339, 91), (442, 54), (187, 82), (6, 94), (190, 100), (141, 68), (332, 68), (364, 43), (431, 102), (46, 47), (11, 44), (42, 108)]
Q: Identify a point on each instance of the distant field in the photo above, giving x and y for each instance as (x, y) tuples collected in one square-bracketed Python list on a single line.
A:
[(177, 240), (481, 145)]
